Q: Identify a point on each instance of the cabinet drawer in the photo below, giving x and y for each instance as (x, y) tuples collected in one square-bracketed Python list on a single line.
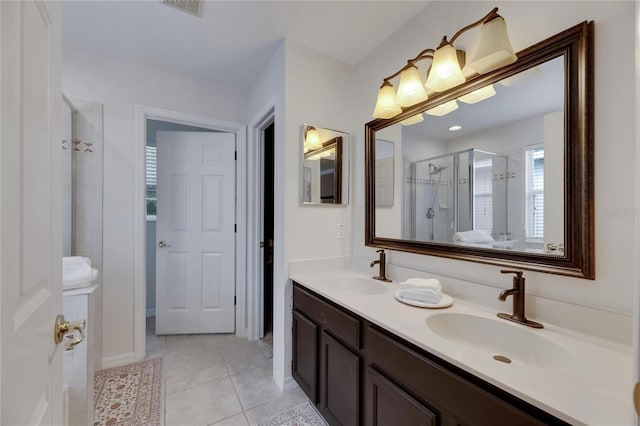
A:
[(440, 388), (339, 323)]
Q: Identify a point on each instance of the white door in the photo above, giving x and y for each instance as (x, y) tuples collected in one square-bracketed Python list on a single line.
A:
[(30, 219), (195, 233)]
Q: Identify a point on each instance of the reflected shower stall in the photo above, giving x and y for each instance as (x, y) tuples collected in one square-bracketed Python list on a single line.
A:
[(457, 192)]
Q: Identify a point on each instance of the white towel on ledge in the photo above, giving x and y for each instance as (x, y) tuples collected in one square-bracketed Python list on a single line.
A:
[(421, 295), (431, 283)]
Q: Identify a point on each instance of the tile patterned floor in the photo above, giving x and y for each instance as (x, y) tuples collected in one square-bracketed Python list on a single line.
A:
[(217, 379)]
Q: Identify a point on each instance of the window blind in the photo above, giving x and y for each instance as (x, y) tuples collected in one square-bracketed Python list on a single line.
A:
[(535, 193), (482, 195)]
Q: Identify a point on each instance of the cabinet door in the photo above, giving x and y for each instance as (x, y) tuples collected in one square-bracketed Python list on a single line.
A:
[(387, 404), (305, 355), (339, 383)]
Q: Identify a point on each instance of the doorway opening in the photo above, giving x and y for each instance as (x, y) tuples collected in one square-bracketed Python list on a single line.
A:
[(188, 184), (268, 139)]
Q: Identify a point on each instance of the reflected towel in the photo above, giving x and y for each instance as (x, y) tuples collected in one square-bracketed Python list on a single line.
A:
[(475, 236), (421, 295)]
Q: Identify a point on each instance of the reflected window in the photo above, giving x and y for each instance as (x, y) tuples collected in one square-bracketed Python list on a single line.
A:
[(534, 212), (152, 176), (483, 195)]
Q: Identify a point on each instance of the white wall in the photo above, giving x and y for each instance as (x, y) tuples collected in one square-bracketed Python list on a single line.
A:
[(268, 94), (615, 111), (119, 86)]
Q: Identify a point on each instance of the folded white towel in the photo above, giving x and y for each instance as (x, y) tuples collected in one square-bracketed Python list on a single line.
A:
[(474, 236), (432, 283), (423, 295)]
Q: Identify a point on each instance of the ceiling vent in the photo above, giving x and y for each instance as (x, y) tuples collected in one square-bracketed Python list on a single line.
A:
[(193, 7)]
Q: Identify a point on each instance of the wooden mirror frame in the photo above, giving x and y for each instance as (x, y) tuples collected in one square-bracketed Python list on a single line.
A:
[(576, 46)]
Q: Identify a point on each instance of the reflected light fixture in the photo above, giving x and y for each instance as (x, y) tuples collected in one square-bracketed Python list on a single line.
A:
[(311, 139), (492, 51), (455, 128), (478, 95), (412, 120), (443, 109)]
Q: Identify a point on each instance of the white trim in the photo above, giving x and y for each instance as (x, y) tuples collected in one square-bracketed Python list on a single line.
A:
[(255, 284), (636, 299), (118, 360), (142, 114)]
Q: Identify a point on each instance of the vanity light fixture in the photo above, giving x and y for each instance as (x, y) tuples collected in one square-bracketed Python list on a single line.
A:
[(493, 51), (311, 139), (443, 109), (455, 128), (478, 95), (411, 90)]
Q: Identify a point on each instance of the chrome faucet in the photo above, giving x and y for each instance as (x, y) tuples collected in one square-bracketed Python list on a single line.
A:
[(383, 267), (517, 292)]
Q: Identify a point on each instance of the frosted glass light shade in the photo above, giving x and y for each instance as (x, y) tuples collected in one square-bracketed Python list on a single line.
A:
[(478, 95), (412, 120), (445, 71), (443, 109), (410, 91), (312, 139), (386, 105), (494, 48)]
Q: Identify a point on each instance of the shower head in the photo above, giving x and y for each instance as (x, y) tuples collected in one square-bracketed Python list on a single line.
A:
[(434, 169)]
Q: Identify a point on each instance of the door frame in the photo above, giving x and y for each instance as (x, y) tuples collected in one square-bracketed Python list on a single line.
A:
[(255, 279), (142, 114)]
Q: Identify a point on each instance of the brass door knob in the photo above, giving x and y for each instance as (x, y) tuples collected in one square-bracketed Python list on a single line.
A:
[(62, 328), (163, 244)]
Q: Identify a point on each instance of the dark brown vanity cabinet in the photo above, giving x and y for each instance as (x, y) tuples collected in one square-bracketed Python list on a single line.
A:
[(359, 374), (326, 361)]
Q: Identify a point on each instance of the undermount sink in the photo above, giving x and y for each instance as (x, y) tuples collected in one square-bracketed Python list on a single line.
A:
[(504, 341), (359, 285)]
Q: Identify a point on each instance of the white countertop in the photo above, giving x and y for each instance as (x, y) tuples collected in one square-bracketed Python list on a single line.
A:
[(594, 388)]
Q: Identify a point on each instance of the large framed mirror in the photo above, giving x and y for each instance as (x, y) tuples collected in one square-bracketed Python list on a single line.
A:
[(500, 169), (325, 166)]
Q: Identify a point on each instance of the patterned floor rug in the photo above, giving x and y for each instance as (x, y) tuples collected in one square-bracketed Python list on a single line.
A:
[(302, 415), (128, 395)]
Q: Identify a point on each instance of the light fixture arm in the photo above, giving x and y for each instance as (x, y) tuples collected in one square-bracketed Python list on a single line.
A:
[(412, 63), (488, 17)]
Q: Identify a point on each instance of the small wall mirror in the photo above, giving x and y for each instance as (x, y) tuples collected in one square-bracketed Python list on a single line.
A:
[(325, 166), (498, 169)]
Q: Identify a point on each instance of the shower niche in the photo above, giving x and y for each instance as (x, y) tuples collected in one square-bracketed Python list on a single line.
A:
[(450, 195)]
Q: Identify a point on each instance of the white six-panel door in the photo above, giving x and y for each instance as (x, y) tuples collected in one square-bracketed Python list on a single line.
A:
[(30, 219), (195, 236)]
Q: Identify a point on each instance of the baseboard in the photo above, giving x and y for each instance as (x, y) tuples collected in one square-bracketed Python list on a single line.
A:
[(118, 360), (289, 384), (151, 312)]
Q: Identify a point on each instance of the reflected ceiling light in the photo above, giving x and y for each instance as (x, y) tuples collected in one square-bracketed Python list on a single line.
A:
[(443, 109), (410, 91), (492, 51), (386, 105), (522, 77), (320, 155), (455, 128), (311, 139), (478, 95), (412, 120)]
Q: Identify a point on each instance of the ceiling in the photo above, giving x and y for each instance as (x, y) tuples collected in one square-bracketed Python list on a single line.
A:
[(232, 41), (539, 91)]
